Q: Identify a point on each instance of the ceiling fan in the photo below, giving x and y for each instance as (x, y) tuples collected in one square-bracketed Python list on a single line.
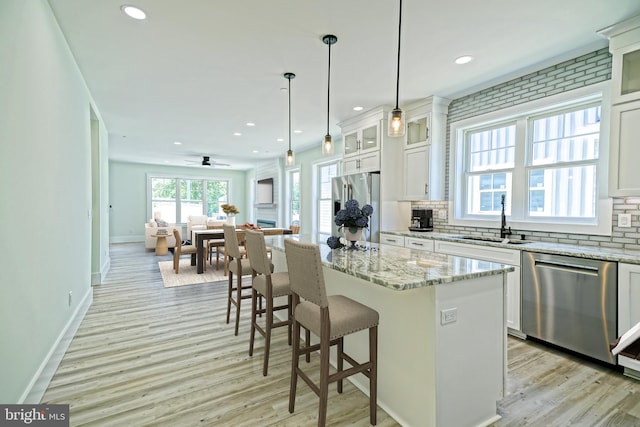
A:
[(206, 161)]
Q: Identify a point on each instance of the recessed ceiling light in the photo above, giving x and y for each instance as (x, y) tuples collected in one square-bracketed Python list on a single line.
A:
[(280, 139), (237, 134), (250, 124), (133, 12), (255, 151), (178, 143), (297, 131), (464, 59), (358, 108)]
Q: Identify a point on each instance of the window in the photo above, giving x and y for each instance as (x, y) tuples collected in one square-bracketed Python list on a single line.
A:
[(326, 173), (293, 189), (544, 162), (173, 198)]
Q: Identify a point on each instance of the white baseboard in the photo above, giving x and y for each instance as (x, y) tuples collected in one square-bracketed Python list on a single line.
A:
[(96, 278), (126, 239), (41, 379)]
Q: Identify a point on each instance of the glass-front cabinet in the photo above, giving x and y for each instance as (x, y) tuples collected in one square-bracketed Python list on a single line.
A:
[(417, 131), (362, 140)]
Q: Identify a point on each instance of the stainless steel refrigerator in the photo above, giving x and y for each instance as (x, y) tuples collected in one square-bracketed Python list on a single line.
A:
[(365, 188)]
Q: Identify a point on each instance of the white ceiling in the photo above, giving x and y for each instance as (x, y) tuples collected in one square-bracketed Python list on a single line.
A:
[(196, 71)]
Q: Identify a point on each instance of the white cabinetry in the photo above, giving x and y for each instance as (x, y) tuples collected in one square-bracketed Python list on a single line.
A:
[(624, 44), (362, 146), (391, 239), (493, 254), (628, 307), (424, 149), (369, 149), (419, 244)]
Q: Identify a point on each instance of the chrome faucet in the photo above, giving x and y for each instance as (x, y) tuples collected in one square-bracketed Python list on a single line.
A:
[(504, 232)]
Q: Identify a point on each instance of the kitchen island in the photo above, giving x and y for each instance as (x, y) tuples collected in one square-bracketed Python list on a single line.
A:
[(442, 332)]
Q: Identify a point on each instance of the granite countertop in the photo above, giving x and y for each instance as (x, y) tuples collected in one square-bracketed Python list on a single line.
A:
[(590, 252), (395, 267)]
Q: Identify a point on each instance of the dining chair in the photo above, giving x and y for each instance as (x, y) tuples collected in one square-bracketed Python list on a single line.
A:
[(216, 244), (330, 318), (181, 249), (237, 265), (267, 285)]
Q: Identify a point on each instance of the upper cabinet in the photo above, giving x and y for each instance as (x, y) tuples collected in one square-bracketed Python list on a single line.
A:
[(424, 149), (362, 136), (624, 45)]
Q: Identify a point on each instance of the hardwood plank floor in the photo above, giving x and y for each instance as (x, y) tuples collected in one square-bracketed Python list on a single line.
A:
[(146, 355)]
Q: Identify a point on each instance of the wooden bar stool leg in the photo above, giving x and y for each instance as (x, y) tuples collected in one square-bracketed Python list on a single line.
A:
[(238, 299), (340, 361), (307, 339), (295, 354), (252, 334), (373, 374), (324, 372)]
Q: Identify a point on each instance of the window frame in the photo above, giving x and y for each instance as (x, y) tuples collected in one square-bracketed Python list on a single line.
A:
[(316, 190), (178, 200), (521, 114), (290, 173)]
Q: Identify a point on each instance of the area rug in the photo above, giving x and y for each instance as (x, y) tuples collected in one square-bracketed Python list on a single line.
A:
[(187, 274)]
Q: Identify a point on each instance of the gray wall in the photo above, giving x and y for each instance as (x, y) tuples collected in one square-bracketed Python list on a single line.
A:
[(46, 191), (584, 70)]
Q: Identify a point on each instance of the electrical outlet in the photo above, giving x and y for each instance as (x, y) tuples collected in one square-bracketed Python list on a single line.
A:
[(624, 220), (442, 214), (449, 315)]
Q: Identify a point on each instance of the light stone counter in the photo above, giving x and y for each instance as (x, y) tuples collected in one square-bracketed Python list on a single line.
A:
[(398, 268), (590, 252), (433, 370)]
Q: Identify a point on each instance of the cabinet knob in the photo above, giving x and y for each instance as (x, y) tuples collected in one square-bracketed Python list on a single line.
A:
[(426, 189)]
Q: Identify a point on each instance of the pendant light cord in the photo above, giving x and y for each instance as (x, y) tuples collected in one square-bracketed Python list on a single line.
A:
[(398, 74), (328, 86), (289, 91)]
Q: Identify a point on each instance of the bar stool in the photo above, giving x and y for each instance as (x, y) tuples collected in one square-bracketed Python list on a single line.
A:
[(267, 285), (330, 318), (238, 266)]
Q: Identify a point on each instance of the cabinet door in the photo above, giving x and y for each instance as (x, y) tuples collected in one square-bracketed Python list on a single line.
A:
[(417, 132), (513, 299), (350, 165), (416, 173), (370, 139), (391, 239), (628, 305), (417, 243), (625, 150), (351, 143), (625, 74), (369, 162)]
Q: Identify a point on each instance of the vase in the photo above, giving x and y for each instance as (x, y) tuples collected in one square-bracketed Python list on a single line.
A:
[(231, 220), (352, 237)]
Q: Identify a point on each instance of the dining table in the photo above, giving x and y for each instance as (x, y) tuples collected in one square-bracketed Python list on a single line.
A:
[(201, 236)]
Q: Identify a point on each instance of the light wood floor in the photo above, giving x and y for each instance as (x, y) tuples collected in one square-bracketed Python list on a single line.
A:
[(149, 356)]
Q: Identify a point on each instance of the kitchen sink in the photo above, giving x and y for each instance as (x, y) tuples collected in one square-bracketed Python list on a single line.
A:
[(495, 240)]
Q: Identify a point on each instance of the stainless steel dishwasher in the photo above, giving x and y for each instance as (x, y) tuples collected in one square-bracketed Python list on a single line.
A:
[(570, 302)]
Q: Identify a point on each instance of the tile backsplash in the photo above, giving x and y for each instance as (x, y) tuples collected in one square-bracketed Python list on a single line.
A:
[(621, 238)]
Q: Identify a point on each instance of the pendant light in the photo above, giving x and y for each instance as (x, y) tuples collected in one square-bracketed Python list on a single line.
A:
[(289, 158), (397, 122), (327, 144)]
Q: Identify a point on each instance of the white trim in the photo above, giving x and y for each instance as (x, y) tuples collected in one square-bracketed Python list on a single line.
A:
[(38, 385), (603, 226)]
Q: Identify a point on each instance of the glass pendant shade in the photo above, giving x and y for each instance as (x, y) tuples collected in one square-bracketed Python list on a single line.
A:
[(290, 158), (327, 145), (397, 122)]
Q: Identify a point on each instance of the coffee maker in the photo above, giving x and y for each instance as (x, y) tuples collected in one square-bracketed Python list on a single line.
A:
[(421, 220)]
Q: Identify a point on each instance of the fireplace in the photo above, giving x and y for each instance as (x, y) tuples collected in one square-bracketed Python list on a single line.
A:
[(265, 223)]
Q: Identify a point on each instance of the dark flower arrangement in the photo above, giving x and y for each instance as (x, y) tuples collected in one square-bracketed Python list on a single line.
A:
[(351, 217)]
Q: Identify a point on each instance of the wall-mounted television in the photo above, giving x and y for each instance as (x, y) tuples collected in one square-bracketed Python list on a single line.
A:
[(264, 191)]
